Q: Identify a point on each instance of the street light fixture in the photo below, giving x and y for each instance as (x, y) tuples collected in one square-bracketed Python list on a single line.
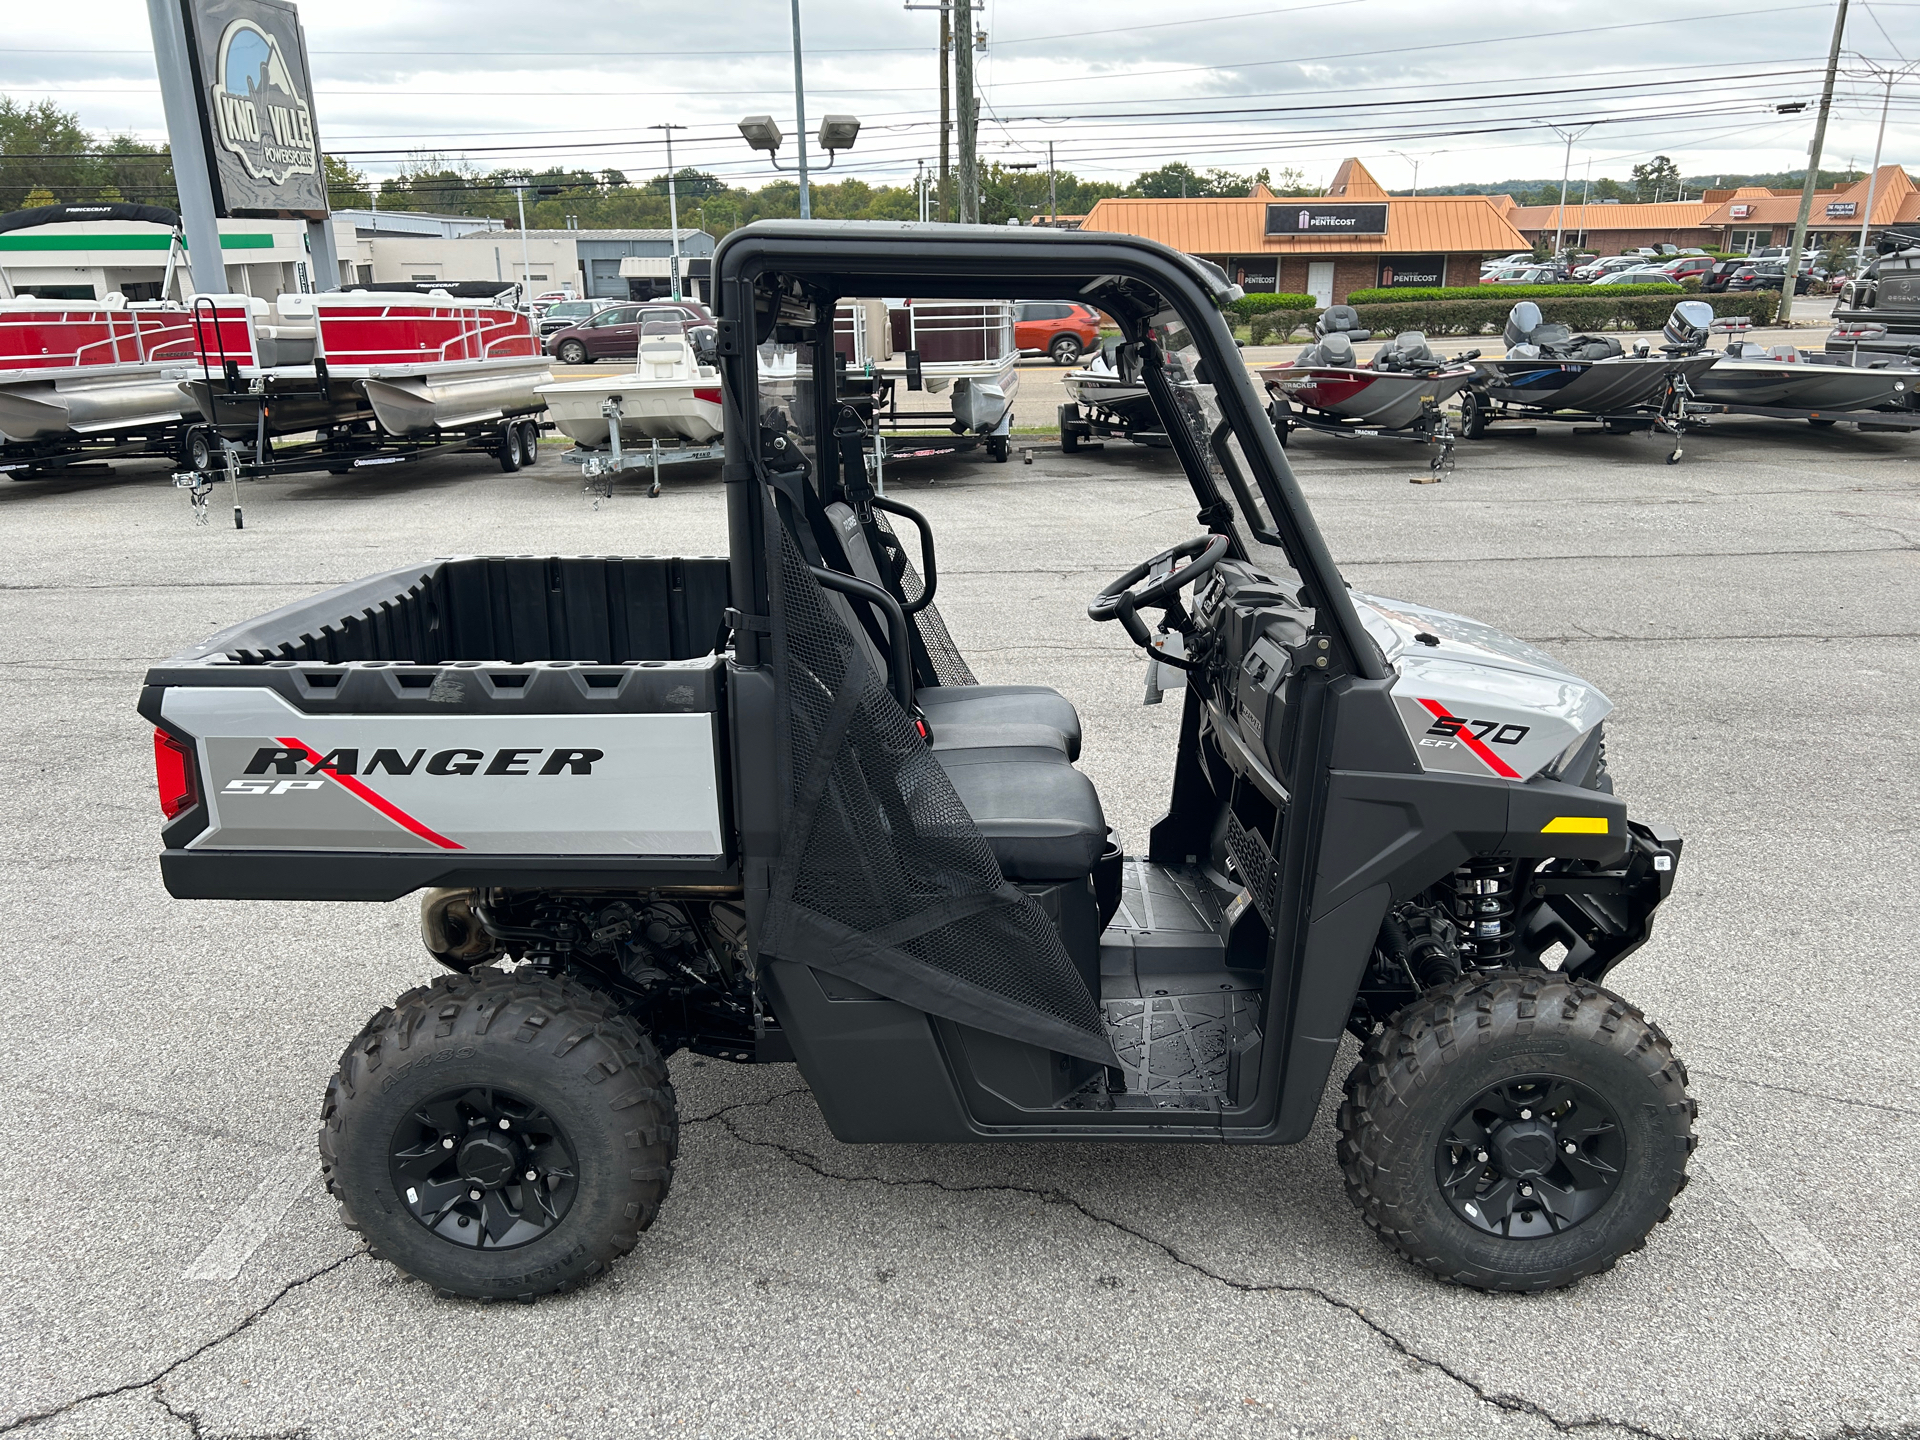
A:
[(837, 133), (520, 184), (1414, 163)]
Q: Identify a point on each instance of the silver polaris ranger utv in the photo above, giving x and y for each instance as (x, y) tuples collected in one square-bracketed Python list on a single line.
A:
[(756, 807)]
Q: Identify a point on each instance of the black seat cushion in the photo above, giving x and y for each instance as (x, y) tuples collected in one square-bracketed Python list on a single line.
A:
[(1040, 816), (976, 709)]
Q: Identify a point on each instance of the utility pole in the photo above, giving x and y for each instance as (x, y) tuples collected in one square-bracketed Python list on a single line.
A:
[(519, 184), (673, 203), (946, 110), (1569, 134), (194, 183), (968, 112), (1791, 277), (800, 116), (1053, 200), (1886, 75)]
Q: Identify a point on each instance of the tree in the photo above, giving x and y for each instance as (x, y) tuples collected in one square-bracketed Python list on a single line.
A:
[(1658, 179), (47, 141), (1180, 180), (346, 186), (36, 198)]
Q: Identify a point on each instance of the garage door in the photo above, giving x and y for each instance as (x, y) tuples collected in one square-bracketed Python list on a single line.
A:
[(603, 280)]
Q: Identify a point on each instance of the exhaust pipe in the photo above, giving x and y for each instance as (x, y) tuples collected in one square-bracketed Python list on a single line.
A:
[(451, 932)]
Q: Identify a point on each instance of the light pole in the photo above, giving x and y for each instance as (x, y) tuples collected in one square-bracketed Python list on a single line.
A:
[(1414, 163), (1053, 202), (800, 116), (673, 202), (1569, 134), (519, 184), (1886, 75)]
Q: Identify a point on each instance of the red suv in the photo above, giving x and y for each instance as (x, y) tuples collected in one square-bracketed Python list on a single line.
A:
[(1055, 329), (614, 333)]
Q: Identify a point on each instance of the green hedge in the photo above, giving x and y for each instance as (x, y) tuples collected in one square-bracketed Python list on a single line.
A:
[(1276, 326), (1588, 312), (1261, 302), (1497, 292)]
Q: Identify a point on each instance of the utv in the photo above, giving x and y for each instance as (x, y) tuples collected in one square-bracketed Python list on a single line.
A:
[(758, 808)]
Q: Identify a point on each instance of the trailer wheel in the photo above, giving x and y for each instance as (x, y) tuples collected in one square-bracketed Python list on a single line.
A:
[(1069, 435), (529, 442), (1821, 422), (500, 1136), (1281, 417), (199, 448), (999, 447), (507, 450), (1516, 1130), (1473, 416)]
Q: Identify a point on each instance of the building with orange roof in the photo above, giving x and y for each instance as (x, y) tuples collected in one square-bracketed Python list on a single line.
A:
[(1355, 237), (1753, 217), (1613, 228)]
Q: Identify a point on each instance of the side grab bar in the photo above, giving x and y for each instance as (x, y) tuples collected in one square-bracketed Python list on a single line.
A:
[(900, 664), (929, 571)]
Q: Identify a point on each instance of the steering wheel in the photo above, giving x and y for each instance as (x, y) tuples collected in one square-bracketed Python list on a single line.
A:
[(1120, 601)]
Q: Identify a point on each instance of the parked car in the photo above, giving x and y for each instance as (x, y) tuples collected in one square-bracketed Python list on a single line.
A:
[(560, 314), (1643, 275), (1687, 267), (1593, 270), (1521, 275), (614, 333), (1717, 278), (1769, 275), (1519, 257), (1058, 330)]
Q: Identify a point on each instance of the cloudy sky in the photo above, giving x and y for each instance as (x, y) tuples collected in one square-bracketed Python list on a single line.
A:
[(1467, 90)]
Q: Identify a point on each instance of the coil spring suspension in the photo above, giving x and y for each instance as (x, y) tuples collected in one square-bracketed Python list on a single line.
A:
[(1484, 905)]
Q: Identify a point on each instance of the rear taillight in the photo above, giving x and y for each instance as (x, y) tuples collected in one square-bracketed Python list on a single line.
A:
[(173, 773)]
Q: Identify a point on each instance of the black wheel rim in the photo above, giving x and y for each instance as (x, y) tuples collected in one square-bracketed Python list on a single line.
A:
[(484, 1168), (1531, 1157)]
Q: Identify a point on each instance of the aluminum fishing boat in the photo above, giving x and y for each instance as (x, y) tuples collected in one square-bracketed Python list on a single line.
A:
[(1396, 395), (1782, 381), (1106, 399), (1550, 374)]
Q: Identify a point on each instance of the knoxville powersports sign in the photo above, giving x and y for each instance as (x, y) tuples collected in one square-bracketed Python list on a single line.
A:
[(250, 60), (1295, 217)]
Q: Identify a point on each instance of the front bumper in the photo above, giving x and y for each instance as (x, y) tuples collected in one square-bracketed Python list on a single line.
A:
[(1601, 915)]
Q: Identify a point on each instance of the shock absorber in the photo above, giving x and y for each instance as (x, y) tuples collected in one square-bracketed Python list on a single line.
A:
[(1484, 904)]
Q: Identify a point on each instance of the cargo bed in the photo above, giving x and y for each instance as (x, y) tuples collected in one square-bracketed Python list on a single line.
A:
[(474, 721)]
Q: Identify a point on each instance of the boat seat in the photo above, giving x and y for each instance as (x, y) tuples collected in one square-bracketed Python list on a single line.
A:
[(971, 714), (1341, 320), (1040, 816), (1335, 349)]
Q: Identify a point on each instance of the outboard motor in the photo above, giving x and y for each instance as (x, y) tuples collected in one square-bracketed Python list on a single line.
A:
[(1522, 320), (1688, 326)]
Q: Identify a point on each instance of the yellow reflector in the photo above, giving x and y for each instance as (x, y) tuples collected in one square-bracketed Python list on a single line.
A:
[(1575, 825)]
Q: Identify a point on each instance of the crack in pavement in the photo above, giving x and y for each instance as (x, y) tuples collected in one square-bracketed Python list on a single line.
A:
[(1501, 1400), (1809, 1094), (152, 1382), (197, 1428)]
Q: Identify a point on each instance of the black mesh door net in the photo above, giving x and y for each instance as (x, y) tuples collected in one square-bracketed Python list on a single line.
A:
[(883, 877)]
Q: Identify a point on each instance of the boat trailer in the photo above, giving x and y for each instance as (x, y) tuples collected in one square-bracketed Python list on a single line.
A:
[(598, 467)]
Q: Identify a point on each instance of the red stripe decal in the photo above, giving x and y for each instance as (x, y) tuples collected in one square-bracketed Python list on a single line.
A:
[(1473, 742), (379, 802)]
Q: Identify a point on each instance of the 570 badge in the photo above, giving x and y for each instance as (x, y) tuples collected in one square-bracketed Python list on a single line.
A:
[(1450, 732), (1450, 727)]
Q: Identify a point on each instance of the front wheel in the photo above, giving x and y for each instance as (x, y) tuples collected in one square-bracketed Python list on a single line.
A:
[(500, 1136), (1516, 1131), (1065, 349)]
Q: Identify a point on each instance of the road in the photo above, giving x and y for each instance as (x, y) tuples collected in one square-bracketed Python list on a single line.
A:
[(170, 1266)]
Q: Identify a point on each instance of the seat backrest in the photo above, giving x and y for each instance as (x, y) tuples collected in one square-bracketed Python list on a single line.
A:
[(1335, 349), (1338, 318)]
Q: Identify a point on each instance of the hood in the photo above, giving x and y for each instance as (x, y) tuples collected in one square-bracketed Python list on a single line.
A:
[(1532, 706)]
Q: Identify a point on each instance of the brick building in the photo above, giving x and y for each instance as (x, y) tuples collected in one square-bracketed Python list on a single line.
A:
[(1355, 237), (1613, 229), (1752, 218)]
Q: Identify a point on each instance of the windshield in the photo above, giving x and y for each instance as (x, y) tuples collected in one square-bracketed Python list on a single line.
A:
[(1198, 409)]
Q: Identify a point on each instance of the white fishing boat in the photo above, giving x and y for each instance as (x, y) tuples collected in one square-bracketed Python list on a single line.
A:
[(672, 393)]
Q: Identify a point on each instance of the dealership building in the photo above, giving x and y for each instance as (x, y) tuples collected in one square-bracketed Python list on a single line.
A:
[(89, 261), (1355, 237)]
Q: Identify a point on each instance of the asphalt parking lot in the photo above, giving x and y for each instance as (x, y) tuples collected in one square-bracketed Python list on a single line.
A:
[(170, 1265)]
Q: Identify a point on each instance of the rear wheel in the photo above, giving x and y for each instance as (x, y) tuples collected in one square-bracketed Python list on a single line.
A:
[(571, 352), (500, 1136), (507, 448), (1516, 1131), (1064, 349)]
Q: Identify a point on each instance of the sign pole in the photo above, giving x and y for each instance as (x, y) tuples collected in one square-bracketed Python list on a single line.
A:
[(191, 177), (326, 260)]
